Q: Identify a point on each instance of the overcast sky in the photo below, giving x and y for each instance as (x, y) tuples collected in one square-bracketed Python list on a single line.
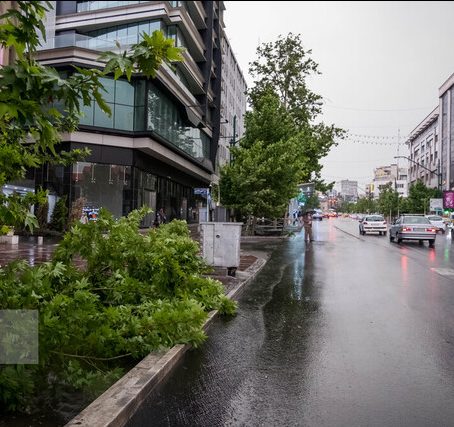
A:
[(381, 62)]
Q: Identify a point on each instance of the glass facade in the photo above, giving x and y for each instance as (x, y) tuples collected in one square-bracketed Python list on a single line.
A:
[(86, 6), (103, 186), (165, 119), (120, 189), (139, 106), (120, 97), (126, 35)]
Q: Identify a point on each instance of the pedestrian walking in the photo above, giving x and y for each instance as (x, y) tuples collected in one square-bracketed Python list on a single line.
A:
[(161, 217), (307, 224)]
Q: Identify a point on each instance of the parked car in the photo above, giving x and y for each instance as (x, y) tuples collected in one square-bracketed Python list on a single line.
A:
[(438, 222), (413, 227), (373, 223)]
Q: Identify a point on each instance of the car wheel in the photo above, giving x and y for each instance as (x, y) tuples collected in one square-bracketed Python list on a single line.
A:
[(420, 242), (431, 243), (398, 239), (391, 238)]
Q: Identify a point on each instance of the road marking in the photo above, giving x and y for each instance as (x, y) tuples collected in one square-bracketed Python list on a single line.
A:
[(448, 272), (350, 234)]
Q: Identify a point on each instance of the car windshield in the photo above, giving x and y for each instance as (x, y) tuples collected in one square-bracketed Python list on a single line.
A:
[(435, 218), (415, 220), (374, 218)]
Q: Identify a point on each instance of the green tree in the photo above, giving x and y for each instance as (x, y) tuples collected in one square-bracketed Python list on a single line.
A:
[(312, 202), (419, 196), (263, 178), (31, 92), (282, 145), (366, 205), (283, 67), (388, 201)]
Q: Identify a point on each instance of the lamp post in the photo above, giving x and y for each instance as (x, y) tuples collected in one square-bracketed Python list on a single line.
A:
[(437, 172)]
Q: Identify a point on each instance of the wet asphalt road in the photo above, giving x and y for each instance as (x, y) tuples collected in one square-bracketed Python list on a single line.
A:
[(347, 331)]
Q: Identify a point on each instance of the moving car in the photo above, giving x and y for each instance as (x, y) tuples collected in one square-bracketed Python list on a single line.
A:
[(373, 223), (413, 227), (438, 222), (317, 215)]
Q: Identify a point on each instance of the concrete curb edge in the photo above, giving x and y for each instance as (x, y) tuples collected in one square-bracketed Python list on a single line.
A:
[(119, 403)]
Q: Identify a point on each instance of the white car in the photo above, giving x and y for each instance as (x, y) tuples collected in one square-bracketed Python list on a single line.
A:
[(373, 223), (438, 222)]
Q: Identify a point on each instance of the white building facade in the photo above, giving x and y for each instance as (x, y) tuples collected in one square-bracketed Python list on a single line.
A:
[(392, 174), (424, 146), (233, 103)]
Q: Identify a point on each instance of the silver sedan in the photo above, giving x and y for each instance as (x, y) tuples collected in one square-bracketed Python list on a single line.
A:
[(413, 227)]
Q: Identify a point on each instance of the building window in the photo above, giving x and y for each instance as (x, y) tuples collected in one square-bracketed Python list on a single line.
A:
[(119, 96), (126, 35), (103, 186), (86, 6), (165, 119)]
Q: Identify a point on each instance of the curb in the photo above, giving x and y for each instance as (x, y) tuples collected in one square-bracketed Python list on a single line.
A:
[(118, 404)]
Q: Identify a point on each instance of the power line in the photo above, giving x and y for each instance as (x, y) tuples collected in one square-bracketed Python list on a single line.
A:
[(379, 110), (358, 135)]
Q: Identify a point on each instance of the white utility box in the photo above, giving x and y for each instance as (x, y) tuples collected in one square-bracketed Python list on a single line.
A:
[(221, 243)]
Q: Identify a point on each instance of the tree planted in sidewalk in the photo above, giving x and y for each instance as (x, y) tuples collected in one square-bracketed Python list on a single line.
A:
[(388, 201), (281, 133), (419, 196)]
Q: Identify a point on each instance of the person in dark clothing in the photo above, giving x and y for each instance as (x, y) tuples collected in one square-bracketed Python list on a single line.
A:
[(307, 224), (161, 217)]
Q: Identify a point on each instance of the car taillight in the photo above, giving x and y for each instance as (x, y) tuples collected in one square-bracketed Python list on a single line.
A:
[(431, 230), (406, 229), (384, 222)]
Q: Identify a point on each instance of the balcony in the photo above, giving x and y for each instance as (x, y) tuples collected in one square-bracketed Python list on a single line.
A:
[(86, 42)]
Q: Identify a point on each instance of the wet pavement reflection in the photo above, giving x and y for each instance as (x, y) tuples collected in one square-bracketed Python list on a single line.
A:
[(339, 332), (28, 250)]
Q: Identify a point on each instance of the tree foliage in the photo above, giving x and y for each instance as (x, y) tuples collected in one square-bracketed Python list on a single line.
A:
[(388, 201), (109, 296), (419, 196), (282, 145), (37, 104)]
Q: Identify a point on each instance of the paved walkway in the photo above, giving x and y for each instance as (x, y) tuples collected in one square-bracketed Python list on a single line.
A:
[(29, 250)]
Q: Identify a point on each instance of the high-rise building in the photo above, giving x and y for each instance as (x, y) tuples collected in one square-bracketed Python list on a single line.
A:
[(424, 146), (233, 102), (162, 139), (446, 119), (349, 190)]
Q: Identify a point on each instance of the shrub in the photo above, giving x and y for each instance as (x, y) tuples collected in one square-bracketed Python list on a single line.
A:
[(134, 294)]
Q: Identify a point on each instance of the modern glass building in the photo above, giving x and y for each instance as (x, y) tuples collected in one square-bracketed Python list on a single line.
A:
[(161, 140)]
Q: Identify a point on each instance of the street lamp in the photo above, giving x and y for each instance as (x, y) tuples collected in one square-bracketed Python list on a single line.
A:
[(436, 172)]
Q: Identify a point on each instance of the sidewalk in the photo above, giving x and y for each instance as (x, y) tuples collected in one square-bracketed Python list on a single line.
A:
[(117, 404)]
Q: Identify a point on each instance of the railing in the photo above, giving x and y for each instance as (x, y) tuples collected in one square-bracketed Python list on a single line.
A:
[(82, 41), (267, 227)]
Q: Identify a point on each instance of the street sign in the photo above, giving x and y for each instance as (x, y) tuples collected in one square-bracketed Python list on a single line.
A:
[(202, 192), (436, 204), (301, 198), (307, 188)]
